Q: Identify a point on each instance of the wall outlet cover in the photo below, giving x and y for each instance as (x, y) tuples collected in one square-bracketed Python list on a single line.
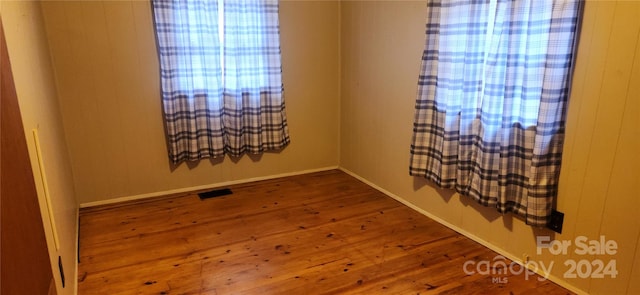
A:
[(555, 221)]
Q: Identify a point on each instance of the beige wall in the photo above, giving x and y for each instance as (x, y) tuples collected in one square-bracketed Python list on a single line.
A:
[(350, 72), (381, 46), (35, 86), (106, 64)]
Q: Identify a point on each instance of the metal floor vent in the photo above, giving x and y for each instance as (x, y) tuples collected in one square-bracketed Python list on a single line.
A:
[(215, 193)]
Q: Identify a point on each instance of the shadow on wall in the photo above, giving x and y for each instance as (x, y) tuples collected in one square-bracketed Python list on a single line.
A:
[(420, 182), (488, 213), (216, 161)]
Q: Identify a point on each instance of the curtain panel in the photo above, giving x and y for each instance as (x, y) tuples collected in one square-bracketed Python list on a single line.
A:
[(221, 79), (492, 98)]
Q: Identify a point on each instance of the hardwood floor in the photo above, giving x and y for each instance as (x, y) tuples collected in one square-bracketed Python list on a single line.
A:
[(317, 233)]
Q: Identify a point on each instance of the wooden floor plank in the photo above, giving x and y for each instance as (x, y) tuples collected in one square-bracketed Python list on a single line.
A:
[(320, 233)]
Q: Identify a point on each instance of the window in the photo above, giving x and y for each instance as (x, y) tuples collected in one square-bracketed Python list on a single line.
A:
[(492, 99), (220, 71)]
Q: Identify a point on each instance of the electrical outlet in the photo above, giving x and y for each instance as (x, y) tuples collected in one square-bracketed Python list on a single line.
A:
[(555, 221)]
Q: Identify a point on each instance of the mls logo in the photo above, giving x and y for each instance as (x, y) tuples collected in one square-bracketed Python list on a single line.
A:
[(500, 280)]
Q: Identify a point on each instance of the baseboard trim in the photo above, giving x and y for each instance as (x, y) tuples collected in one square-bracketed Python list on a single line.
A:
[(201, 187), (461, 231)]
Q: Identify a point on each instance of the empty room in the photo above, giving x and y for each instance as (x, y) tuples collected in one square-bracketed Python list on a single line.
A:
[(319, 147)]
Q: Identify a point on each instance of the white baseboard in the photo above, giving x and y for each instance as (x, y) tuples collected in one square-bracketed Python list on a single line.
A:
[(463, 232), (200, 187)]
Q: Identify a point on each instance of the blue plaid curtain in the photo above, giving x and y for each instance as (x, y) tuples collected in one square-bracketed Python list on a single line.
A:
[(492, 96), (220, 97)]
